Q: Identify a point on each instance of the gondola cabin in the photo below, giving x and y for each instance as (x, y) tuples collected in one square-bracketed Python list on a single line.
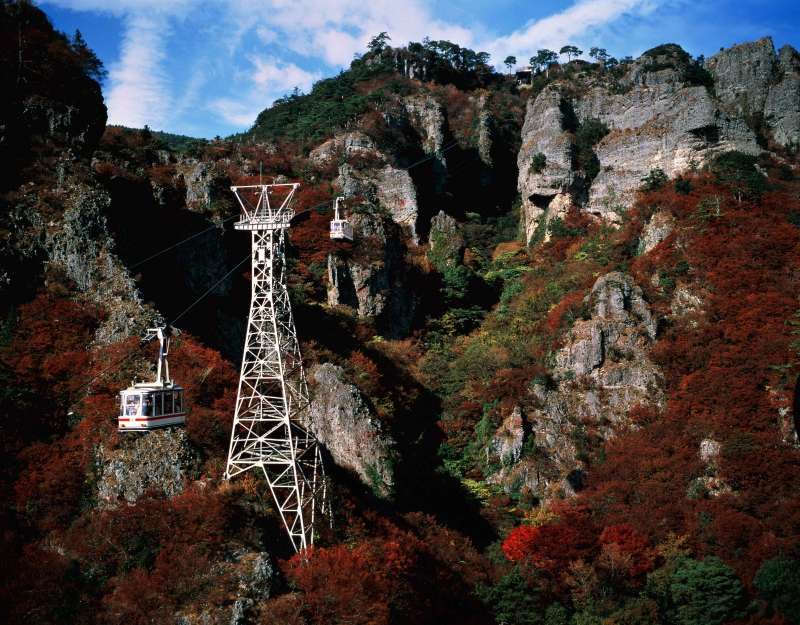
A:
[(341, 229), (147, 406), (151, 405)]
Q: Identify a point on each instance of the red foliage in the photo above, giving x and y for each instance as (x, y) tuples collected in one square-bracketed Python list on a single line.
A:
[(548, 547), (48, 354), (570, 304), (413, 576), (725, 371), (623, 540)]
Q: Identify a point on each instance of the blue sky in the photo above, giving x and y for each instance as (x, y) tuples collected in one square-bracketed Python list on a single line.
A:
[(207, 67)]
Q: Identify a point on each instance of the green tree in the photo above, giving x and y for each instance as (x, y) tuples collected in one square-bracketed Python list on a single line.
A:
[(91, 65), (570, 51), (778, 582), (543, 60), (655, 179), (378, 43), (705, 592), (599, 54), (513, 601), (510, 62), (738, 171), (538, 163)]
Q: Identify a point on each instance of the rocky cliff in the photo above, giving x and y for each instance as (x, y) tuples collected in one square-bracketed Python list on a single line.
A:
[(663, 113), (374, 280), (602, 372)]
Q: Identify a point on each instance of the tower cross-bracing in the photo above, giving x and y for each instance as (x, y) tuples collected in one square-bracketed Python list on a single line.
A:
[(273, 394)]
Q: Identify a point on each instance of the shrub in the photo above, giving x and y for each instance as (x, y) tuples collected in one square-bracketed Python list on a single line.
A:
[(738, 171), (654, 180), (588, 134), (778, 582), (512, 600), (538, 163), (683, 186), (705, 592)]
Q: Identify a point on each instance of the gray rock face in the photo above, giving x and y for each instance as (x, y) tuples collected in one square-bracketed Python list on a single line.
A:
[(750, 80), (204, 184), (506, 444), (485, 131), (743, 75), (667, 125), (342, 420), (602, 371), (446, 242), (658, 227), (78, 128), (710, 484), (386, 186), (374, 282), (345, 145), (657, 120), (427, 117), (544, 187), (620, 327), (710, 450), (161, 460), (782, 107), (81, 246), (685, 301), (373, 179), (256, 575)]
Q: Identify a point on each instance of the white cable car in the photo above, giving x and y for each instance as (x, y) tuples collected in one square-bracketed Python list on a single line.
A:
[(341, 229), (151, 405)]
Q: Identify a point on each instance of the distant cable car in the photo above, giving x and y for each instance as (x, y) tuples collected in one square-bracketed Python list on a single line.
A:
[(341, 229), (151, 405)]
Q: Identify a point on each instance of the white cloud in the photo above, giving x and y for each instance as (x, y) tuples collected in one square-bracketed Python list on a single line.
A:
[(278, 76), (554, 31), (139, 92), (268, 81)]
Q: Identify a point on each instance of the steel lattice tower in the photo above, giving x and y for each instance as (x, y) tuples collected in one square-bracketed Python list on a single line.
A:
[(267, 431)]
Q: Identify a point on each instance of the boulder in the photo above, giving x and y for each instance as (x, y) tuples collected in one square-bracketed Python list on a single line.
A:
[(342, 420)]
